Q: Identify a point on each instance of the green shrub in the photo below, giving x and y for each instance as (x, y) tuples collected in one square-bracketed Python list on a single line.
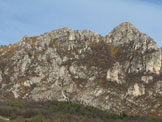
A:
[(66, 106), (18, 104)]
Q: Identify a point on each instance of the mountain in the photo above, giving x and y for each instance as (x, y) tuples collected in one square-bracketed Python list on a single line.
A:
[(121, 72)]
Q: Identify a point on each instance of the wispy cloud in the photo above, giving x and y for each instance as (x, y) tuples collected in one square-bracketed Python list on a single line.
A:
[(33, 17)]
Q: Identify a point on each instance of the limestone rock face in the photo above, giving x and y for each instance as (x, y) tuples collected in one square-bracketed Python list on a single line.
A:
[(116, 74), (136, 90), (147, 79), (121, 72)]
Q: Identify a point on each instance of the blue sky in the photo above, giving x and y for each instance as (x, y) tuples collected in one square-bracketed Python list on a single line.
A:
[(35, 17)]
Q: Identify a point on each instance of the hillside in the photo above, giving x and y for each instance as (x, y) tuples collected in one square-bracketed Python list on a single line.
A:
[(118, 73)]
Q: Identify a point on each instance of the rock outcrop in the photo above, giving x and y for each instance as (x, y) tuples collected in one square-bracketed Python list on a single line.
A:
[(121, 72)]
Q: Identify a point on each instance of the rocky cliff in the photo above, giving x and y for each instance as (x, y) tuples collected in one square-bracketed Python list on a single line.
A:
[(121, 72)]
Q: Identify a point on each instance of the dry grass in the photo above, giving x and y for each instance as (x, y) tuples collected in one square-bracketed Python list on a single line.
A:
[(103, 55), (9, 51), (4, 48), (113, 50), (101, 81), (25, 89), (34, 39), (22, 79)]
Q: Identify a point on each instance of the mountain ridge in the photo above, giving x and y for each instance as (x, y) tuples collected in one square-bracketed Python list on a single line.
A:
[(120, 72)]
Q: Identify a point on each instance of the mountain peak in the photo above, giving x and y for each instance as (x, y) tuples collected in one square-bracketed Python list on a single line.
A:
[(126, 26), (127, 33)]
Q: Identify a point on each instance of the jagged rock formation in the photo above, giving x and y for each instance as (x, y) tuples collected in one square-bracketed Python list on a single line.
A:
[(120, 72)]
